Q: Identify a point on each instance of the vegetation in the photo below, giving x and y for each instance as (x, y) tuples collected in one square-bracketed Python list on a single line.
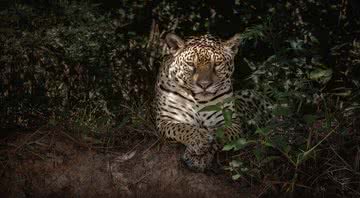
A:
[(92, 65)]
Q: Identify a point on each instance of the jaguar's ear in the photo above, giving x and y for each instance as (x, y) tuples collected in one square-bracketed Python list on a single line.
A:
[(174, 42), (233, 44)]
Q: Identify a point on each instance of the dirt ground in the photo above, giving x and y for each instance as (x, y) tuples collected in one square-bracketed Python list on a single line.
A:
[(54, 164)]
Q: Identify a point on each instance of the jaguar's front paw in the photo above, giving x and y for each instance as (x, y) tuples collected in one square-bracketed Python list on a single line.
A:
[(201, 146), (198, 163)]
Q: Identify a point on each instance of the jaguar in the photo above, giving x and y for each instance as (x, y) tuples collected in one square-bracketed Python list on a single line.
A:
[(195, 74)]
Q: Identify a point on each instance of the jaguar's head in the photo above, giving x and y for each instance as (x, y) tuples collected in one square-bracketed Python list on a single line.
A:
[(202, 65)]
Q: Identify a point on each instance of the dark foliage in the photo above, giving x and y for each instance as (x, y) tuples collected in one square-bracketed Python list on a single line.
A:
[(94, 63)]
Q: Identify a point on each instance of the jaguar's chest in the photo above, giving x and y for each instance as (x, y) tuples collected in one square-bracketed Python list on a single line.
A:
[(182, 108)]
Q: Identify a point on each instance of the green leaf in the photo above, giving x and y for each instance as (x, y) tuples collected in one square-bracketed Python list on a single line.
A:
[(227, 117), (310, 119), (235, 163), (228, 147), (244, 169), (258, 152), (269, 144), (216, 107), (240, 143), (220, 133), (236, 177), (269, 159), (344, 93), (279, 142), (228, 168), (287, 149), (321, 75), (131, 33), (262, 131), (206, 25)]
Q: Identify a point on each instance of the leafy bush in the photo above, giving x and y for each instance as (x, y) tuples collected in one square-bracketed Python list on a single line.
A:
[(315, 115), (59, 65)]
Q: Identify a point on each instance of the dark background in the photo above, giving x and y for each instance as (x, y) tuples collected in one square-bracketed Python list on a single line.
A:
[(92, 64)]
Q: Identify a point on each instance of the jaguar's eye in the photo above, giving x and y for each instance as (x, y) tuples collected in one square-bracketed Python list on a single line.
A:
[(218, 66), (191, 64)]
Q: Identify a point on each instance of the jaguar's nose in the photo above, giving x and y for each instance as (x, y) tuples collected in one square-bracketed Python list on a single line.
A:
[(204, 83)]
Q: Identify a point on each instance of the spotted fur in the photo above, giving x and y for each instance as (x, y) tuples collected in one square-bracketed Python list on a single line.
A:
[(197, 74)]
